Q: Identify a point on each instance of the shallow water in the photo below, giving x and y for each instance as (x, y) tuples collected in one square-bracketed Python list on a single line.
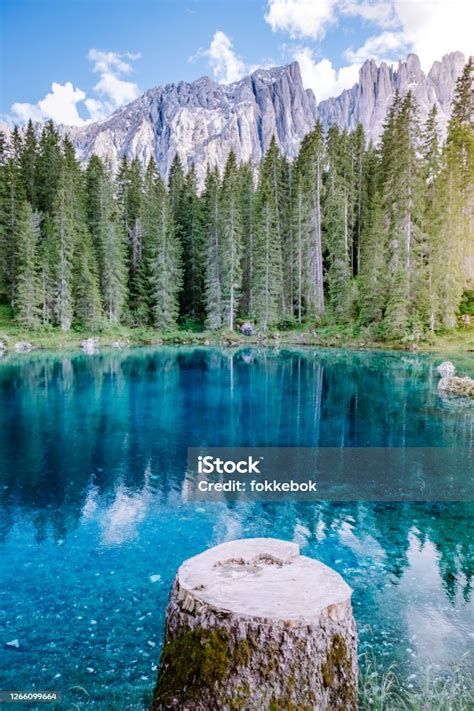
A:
[(93, 523)]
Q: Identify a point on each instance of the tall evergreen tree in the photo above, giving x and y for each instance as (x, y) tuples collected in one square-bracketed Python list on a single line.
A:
[(129, 196), (372, 246), (268, 269), (213, 251), (338, 225), (247, 199), (27, 304), (108, 239), (309, 201), (190, 228), (29, 165), (164, 256), (231, 241)]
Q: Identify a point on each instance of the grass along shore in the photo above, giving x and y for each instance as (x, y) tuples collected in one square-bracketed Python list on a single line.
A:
[(351, 337)]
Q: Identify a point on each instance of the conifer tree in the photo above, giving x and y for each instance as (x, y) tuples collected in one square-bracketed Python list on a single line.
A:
[(129, 196), (337, 225), (456, 184), (12, 196), (247, 200), (27, 303), (372, 247), (231, 241), (48, 168), (28, 165), (108, 239), (85, 281), (310, 182), (268, 271), (213, 251), (188, 215), (64, 234), (164, 257)]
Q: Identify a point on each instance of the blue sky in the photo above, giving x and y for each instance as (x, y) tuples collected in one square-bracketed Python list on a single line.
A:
[(78, 60)]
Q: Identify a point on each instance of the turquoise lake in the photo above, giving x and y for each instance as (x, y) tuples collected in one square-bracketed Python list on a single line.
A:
[(93, 521)]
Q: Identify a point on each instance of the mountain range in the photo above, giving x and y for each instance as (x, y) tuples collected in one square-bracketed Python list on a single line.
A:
[(203, 120)]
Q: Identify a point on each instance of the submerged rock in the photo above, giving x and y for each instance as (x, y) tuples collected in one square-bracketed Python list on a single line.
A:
[(120, 345), (13, 644), (247, 329), (446, 369), (23, 347), (457, 386)]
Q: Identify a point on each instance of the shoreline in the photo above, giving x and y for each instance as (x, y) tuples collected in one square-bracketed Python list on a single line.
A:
[(456, 341)]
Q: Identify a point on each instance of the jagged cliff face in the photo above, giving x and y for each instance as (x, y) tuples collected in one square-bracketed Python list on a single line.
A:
[(368, 100), (202, 121)]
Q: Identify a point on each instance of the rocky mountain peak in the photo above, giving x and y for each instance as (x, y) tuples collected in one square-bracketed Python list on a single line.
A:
[(202, 121)]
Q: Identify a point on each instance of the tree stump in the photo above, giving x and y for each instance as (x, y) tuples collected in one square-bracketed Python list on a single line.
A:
[(252, 624)]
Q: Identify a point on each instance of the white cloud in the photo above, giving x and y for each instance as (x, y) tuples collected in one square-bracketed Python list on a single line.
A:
[(112, 61), (226, 65), (322, 77), (380, 47), (435, 27), (301, 18), (373, 11), (23, 112), (430, 28), (114, 90), (63, 102), (60, 105)]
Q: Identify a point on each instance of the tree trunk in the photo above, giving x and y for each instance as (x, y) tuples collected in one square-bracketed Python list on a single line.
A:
[(251, 624)]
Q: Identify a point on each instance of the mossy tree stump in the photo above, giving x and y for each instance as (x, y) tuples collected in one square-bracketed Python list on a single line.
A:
[(252, 624)]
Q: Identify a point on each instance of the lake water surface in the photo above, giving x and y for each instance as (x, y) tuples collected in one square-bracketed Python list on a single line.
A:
[(93, 523)]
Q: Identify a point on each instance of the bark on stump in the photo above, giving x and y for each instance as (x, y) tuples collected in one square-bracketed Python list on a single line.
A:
[(252, 624)]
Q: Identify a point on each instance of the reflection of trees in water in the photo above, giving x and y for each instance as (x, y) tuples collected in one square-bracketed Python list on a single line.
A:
[(125, 419), (373, 540)]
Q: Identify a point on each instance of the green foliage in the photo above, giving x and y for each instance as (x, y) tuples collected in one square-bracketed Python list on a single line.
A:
[(27, 303), (347, 237), (385, 691), (467, 303)]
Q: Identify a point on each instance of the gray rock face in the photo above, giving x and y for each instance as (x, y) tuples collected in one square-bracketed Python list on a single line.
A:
[(203, 120), (368, 100)]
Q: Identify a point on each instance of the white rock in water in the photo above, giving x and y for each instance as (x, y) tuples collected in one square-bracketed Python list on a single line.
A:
[(13, 644), (446, 369), (23, 347), (89, 346), (456, 386), (155, 578)]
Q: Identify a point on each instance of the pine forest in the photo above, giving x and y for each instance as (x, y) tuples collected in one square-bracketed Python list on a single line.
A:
[(375, 237)]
